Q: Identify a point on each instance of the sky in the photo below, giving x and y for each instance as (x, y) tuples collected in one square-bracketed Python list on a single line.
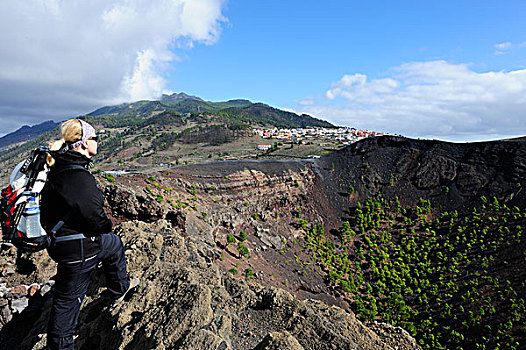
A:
[(449, 70)]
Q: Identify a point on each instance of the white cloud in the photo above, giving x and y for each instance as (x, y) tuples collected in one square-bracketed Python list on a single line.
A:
[(356, 88), (61, 58), (507, 47), (430, 99), (503, 46), (145, 81), (307, 101)]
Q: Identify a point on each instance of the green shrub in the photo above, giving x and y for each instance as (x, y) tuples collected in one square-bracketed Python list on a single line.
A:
[(230, 239), (242, 236), (249, 273), (243, 250), (109, 177)]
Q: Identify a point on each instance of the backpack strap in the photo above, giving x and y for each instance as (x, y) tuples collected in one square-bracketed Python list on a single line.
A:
[(8, 208), (59, 225), (68, 167), (70, 237)]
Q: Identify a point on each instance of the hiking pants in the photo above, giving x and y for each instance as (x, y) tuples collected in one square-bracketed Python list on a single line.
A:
[(71, 285)]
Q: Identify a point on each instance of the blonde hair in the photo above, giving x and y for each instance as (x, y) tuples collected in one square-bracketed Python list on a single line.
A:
[(71, 131)]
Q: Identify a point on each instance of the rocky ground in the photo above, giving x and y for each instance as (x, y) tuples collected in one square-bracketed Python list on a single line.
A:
[(185, 301)]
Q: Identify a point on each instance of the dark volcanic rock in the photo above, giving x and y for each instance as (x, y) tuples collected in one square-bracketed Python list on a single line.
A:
[(453, 176), (434, 171), (470, 181)]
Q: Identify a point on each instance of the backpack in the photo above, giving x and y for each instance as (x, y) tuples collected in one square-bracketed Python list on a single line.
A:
[(19, 203)]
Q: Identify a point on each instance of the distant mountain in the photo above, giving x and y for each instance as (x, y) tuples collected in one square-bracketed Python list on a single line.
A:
[(180, 103), (178, 128), (266, 115), (148, 127), (27, 132), (179, 96), (238, 110)]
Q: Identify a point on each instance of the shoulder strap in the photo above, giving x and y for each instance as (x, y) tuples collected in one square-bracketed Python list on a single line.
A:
[(69, 167)]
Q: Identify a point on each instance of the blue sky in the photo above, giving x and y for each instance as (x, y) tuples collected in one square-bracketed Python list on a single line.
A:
[(281, 51), (448, 70)]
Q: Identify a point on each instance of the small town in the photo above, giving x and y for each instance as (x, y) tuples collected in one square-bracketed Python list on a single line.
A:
[(302, 135)]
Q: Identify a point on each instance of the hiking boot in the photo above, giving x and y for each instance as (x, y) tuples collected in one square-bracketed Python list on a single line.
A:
[(134, 282)]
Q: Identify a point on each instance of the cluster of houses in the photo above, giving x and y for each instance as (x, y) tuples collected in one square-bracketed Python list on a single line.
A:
[(302, 135)]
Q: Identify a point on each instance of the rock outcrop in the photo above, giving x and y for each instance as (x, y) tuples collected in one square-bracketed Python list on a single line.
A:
[(453, 176), (184, 301)]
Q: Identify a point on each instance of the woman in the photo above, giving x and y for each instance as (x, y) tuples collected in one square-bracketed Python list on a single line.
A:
[(71, 195)]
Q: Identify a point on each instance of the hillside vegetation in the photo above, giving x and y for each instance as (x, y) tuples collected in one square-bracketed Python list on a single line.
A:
[(147, 127), (178, 129), (242, 111), (452, 281)]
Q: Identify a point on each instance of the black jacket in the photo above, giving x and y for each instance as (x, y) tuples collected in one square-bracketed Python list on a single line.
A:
[(75, 191)]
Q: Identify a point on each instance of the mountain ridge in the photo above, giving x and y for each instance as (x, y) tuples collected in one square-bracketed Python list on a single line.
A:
[(26, 133)]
